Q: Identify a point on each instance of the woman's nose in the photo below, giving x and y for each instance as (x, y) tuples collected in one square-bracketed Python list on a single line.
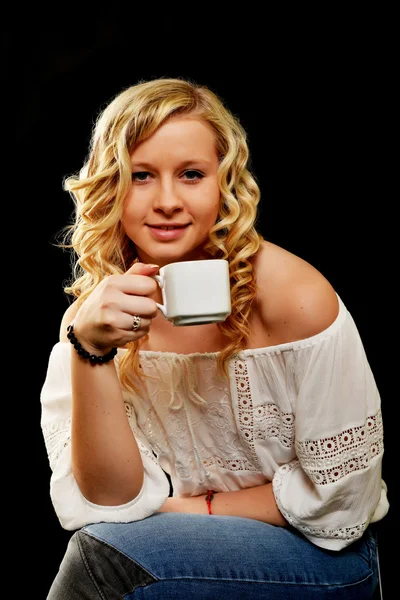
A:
[(167, 200)]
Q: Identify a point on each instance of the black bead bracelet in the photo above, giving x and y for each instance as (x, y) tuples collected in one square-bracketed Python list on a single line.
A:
[(93, 358)]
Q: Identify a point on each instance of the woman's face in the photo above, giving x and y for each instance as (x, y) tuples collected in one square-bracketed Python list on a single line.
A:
[(174, 198)]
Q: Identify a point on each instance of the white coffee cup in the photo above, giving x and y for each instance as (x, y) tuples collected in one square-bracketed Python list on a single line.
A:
[(195, 292)]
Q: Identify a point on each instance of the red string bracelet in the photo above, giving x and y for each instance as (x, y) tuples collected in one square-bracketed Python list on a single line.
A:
[(209, 497)]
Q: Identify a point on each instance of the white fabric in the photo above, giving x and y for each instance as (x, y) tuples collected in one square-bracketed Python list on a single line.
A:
[(305, 415)]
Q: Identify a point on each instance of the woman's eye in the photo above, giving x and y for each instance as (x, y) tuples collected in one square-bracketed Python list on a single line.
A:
[(193, 175), (140, 176), (190, 175)]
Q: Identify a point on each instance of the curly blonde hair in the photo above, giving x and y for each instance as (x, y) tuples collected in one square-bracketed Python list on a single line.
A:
[(95, 235)]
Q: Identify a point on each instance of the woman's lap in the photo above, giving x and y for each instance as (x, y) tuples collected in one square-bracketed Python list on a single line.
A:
[(203, 557)]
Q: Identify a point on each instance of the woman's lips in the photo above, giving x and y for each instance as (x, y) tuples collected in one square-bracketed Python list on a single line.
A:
[(168, 234)]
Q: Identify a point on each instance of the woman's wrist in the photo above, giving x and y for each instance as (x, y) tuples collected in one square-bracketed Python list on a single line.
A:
[(254, 503), (84, 353), (192, 504)]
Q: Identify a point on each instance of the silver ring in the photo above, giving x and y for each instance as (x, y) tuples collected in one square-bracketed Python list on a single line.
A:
[(136, 322)]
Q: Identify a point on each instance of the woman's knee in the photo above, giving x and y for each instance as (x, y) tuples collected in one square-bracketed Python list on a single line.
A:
[(92, 568)]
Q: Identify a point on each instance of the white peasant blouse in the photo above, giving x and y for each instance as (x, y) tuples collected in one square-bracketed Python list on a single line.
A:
[(304, 415)]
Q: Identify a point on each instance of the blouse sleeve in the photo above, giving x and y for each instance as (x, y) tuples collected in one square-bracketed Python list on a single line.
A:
[(72, 508), (333, 488)]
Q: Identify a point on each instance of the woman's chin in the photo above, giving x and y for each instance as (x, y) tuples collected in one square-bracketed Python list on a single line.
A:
[(169, 256)]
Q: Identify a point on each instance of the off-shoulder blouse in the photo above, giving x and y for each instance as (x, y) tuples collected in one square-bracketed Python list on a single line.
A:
[(304, 415)]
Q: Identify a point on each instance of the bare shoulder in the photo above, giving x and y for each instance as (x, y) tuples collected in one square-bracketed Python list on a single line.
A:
[(294, 300), (68, 316)]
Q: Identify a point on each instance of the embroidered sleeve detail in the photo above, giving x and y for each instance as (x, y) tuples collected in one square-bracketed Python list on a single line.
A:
[(350, 534), (57, 437), (329, 459)]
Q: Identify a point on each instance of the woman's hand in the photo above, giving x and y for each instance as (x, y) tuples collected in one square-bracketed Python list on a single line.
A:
[(105, 319)]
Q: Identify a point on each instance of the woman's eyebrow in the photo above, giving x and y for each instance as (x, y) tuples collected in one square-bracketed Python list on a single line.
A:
[(181, 165)]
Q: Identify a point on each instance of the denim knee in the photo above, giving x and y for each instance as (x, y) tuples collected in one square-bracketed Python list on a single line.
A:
[(93, 569)]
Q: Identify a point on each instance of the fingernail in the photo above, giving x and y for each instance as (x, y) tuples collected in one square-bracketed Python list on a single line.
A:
[(153, 266)]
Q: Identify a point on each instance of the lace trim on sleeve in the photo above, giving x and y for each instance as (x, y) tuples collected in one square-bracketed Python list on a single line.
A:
[(329, 459)]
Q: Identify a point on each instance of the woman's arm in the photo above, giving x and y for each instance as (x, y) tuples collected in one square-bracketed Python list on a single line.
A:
[(105, 457), (253, 503), (106, 460)]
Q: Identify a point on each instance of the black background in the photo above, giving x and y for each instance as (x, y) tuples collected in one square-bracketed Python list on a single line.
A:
[(316, 96)]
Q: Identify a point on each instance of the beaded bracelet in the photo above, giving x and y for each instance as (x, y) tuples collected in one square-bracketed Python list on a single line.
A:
[(209, 498), (93, 358)]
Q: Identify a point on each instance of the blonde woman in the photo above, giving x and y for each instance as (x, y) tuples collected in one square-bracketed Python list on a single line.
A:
[(239, 459)]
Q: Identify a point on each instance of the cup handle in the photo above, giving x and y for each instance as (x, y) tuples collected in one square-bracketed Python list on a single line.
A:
[(160, 282)]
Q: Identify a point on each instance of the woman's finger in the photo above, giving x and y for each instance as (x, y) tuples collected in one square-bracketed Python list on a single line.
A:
[(137, 324), (139, 268), (138, 305)]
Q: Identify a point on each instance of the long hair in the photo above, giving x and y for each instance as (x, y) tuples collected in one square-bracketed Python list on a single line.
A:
[(95, 235)]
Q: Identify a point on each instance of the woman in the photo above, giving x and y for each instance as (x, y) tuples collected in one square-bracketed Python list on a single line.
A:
[(232, 460)]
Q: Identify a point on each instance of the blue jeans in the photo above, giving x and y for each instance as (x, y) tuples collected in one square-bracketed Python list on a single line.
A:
[(205, 557)]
